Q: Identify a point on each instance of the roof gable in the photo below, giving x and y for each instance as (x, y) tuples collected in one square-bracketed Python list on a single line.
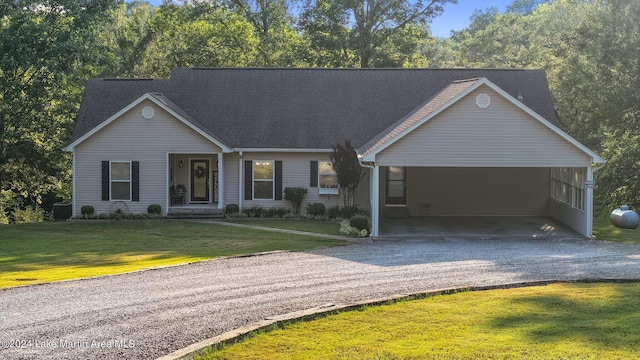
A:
[(440, 102), (164, 103)]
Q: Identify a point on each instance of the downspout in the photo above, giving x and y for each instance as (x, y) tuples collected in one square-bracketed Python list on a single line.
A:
[(370, 179), (373, 196), (167, 194), (220, 181), (364, 165), (73, 184), (240, 182), (590, 196)]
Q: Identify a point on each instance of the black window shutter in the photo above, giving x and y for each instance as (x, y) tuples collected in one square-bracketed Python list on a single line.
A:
[(105, 181), (248, 180), (135, 181), (278, 194), (313, 174)]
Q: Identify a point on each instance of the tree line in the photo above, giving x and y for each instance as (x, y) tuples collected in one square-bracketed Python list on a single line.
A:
[(49, 48)]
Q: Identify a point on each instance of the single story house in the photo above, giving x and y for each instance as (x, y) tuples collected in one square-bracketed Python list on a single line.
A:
[(434, 142)]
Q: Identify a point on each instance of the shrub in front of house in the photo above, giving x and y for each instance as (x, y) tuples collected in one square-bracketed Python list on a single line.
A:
[(349, 211), (254, 211), (276, 212), (30, 214), (334, 212), (295, 195), (268, 213), (154, 209), (87, 210), (231, 209), (119, 215), (360, 222), (316, 209), (347, 230)]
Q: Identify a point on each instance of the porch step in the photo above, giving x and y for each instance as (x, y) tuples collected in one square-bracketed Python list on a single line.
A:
[(396, 212), (195, 213)]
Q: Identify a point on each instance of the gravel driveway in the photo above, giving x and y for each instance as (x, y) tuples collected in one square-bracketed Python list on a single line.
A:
[(148, 314)]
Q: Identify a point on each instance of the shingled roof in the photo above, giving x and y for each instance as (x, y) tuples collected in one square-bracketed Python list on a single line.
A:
[(299, 108), (437, 101)]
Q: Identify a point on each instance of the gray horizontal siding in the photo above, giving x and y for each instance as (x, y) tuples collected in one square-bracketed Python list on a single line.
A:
[(501, 135), (295, 172), (134, 138), (230, 162)]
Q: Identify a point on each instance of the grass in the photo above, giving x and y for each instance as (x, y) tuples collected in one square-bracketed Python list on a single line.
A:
[(44, 252), (604, 230), (314, 226), (560, 321)]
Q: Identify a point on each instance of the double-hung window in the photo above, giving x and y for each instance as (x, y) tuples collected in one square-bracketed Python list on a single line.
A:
[(263, 179), (120, 180), (327, 178)]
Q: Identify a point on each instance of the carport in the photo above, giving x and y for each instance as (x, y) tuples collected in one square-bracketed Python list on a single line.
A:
[(475, 151)]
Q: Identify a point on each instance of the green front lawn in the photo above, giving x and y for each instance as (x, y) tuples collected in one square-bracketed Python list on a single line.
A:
[(560, 321), (314, 226), (43, 252)]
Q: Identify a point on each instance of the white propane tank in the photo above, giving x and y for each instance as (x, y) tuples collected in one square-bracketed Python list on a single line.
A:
[(625, 218)]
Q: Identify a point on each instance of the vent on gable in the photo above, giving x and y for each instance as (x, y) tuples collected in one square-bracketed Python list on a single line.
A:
[(148, 112), (483, 101)]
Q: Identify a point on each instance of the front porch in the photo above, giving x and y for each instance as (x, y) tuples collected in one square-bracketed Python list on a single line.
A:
[(195, 183)]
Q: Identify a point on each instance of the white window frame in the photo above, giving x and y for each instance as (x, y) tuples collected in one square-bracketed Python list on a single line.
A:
[(568, 186), (273, 179), (327, 190), (111, 180)]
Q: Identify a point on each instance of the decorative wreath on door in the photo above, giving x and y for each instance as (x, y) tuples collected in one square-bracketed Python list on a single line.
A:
[(200, 172)]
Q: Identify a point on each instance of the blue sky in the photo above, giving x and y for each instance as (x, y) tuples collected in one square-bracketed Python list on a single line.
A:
[(455, 17)]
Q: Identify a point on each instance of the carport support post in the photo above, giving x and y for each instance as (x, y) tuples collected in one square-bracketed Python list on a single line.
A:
[(589, 202), (220, 182), (375, 200)]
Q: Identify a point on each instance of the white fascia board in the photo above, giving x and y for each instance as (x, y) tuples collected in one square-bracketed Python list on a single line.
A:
[(147, 96), (282, 150), (371, 156)]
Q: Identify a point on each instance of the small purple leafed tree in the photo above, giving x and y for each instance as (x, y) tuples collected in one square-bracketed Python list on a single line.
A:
[(344, 161)]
